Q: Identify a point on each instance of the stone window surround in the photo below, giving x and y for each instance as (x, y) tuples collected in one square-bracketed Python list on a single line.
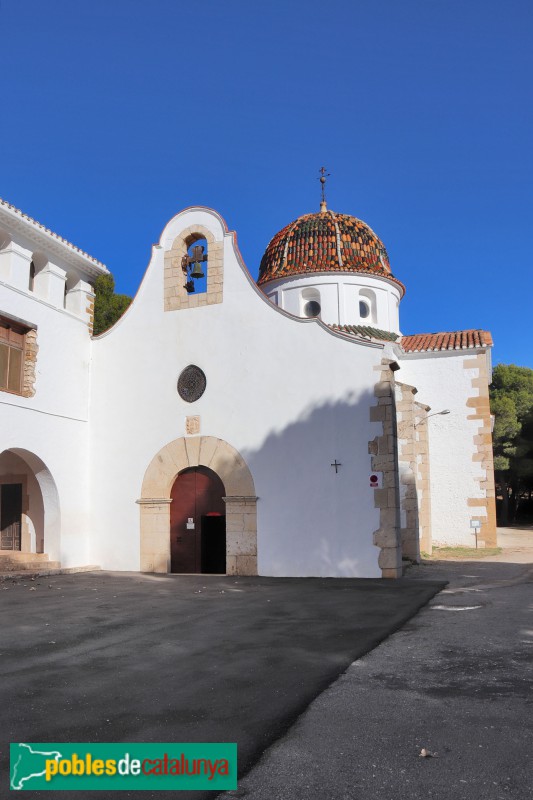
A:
[(29, 355), (240, 499), (176, 296)]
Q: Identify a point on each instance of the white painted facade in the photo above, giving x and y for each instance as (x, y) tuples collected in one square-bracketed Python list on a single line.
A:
[(444, 381), (50, 429), (288, 418), (344, 298), (291, 396)]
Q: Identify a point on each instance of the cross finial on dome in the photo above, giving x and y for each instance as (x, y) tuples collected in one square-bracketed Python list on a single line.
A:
[(322, 179)]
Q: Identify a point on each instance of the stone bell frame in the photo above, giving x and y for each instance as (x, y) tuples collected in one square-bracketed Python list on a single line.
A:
[(176, 296), (240, 499)]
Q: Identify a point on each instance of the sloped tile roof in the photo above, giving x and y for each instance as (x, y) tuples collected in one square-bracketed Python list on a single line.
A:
[(366, 332), (453, 340)]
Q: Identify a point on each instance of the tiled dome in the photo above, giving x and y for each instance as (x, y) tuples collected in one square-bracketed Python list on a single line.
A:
[(324, 242)]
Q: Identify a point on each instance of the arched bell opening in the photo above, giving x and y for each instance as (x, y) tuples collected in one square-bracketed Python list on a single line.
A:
[(195, 264)]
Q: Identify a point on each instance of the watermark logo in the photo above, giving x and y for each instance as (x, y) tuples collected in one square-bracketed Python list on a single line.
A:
[(112, 766)]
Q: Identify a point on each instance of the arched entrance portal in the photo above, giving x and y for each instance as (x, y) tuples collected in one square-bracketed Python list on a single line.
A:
[(198, 522), (29, 505), (240, 502)]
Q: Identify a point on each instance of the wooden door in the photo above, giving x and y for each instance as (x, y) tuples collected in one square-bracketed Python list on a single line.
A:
[(10, 515), (197, 498)]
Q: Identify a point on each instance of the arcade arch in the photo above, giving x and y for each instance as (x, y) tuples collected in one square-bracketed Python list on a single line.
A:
[(29, 504)]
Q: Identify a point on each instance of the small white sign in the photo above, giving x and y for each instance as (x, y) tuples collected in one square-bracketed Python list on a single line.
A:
[(190, 526), (190, 519), (475, 523), (376, 480)]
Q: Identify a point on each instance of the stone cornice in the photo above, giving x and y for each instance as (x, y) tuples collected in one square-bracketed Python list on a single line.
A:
[(154, 501)]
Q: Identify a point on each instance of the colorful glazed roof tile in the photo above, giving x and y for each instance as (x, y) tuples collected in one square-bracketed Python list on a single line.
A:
[(366, 332), (325, 242), (454, 340)]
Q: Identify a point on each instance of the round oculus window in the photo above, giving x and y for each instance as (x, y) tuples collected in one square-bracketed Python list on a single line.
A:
[(364, 309), (312, 308), (191, 384)]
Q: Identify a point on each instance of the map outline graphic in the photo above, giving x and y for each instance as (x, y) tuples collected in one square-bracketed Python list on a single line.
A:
[(14, 779)]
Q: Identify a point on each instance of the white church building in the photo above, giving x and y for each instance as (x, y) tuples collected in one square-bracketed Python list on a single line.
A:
[(280, 428)]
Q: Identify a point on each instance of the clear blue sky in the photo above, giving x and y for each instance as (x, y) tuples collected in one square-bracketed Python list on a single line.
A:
[(117, 114)]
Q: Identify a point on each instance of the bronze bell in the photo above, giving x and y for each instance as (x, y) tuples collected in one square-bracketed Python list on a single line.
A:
[(197, 270)]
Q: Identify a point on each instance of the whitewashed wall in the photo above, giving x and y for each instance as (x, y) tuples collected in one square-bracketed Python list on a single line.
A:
[(340, 294), (444, 383), (288, 394), (52, 425)]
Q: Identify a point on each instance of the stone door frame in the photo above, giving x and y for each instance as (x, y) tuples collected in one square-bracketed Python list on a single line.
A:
[(240, 499)]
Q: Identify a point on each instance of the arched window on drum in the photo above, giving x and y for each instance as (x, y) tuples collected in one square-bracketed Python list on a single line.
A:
[(367, 307), (310, 305)]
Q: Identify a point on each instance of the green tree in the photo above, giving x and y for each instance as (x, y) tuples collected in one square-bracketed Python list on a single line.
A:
[(108, 306), (511, 399)]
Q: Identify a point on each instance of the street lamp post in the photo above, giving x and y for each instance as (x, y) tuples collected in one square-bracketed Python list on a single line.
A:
[(435, 414)]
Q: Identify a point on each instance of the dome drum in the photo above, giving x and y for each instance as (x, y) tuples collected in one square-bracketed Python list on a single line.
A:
[(343, 299), (341, 262)]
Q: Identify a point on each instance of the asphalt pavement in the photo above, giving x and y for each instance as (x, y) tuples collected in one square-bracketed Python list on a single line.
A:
[(114, 657), (441, 710)]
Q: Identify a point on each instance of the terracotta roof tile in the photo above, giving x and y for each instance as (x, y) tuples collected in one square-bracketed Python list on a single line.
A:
[(366, 332), (453, 340), (325, 242)]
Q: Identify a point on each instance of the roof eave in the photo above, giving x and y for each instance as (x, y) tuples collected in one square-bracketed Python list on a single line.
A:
[(301, 273), (50, 241)]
